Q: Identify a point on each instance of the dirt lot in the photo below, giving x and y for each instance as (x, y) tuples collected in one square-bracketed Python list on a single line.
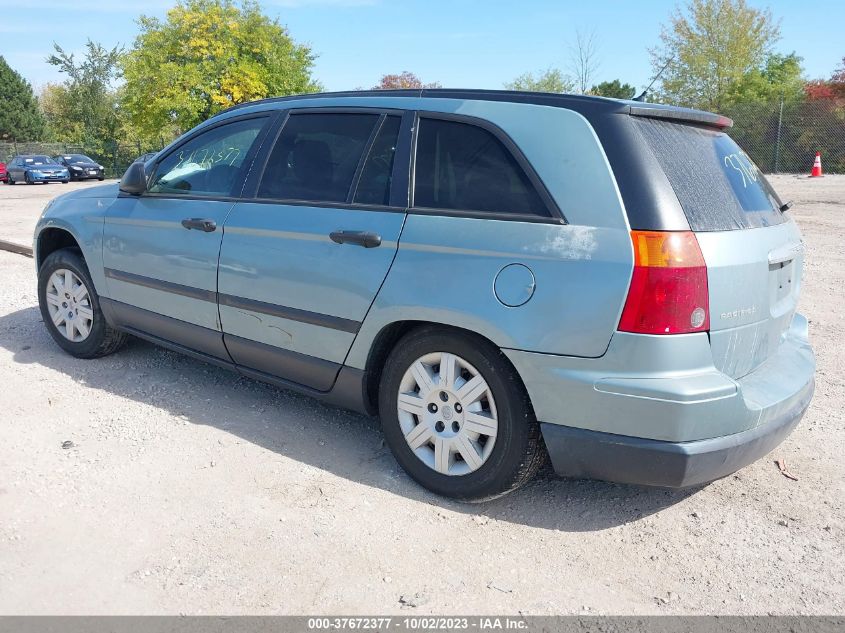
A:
[(21, 205), (190, 490)]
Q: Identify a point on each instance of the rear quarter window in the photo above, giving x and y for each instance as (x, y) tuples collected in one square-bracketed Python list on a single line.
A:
[(463, 167), (718, 185)]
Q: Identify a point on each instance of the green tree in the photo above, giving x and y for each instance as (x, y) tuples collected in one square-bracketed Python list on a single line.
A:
[(57, 107), (20, 118), (615, 89), (781, 76), (84, 109), (206, 56), (405, 79), (550, 80), (708, 48)]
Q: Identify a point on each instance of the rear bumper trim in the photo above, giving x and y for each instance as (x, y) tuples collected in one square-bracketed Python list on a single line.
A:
[(590, 454)]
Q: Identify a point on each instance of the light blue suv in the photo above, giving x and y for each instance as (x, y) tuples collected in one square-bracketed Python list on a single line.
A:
[(501, 276)]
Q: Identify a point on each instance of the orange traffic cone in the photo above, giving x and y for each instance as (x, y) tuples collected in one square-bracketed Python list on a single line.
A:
[(817, 166)]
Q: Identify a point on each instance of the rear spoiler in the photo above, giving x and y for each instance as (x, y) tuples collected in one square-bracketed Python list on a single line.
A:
[(681, 114)]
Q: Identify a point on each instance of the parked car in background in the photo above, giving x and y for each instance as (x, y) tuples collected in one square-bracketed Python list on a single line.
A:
[(499, 275), (81, 167), (33, 168), (3, 173)]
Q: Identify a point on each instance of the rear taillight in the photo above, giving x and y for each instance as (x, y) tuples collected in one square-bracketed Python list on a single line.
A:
[(668, 293)]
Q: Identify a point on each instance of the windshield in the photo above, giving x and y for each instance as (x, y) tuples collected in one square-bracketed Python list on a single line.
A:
[(38, 160), (717, 184), (78, 158)]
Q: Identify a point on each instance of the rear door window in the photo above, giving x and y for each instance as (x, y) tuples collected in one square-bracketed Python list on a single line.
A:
[(316, 156), (464, 167), (374, 184), (718, 185)]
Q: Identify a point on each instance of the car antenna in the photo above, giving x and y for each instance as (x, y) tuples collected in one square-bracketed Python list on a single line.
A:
[(642, 95)]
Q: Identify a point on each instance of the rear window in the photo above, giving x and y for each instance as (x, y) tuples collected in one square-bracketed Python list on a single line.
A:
[(718, 186)]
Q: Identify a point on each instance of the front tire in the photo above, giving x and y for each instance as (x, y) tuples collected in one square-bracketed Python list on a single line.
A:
[(70, 307), (457, 417), (27, 179)]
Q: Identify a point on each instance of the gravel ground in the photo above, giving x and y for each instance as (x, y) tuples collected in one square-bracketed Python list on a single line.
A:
[(20, 206), (190, 490)]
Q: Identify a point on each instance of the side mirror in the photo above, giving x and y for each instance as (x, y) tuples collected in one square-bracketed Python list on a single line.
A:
[(134, 180)]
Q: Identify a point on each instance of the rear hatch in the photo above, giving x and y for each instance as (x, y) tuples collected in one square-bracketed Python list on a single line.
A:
[(753, 252)]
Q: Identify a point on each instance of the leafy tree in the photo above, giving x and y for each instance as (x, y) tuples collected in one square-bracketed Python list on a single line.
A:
[(20, 118), (780, 77), (57, 107), (405, 79), (708, 48), (833, 88), (819, 89), (615, 89), (550, 80), (84, 109), (206, 56)]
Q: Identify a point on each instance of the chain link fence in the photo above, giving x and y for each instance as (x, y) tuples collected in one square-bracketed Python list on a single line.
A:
[(115, 156), (781, 137)]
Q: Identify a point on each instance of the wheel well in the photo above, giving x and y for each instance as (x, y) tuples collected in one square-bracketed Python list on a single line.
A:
[(387, 339), (51, 240)]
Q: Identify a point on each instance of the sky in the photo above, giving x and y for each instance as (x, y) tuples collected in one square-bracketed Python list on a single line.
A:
[(459, 43)]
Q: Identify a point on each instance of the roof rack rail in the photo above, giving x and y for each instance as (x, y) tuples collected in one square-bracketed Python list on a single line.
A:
[(582, 103)]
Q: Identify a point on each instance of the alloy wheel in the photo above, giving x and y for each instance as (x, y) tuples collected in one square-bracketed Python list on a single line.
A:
[(447, 413)]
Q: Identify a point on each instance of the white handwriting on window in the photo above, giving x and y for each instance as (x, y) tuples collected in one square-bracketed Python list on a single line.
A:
[(741, 163)]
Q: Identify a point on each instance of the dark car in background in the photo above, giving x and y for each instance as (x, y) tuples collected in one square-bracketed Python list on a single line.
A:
[(3, 173), (81, 167), (33, 168)]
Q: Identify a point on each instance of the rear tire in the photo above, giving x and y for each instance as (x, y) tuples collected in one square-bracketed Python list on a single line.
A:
[(9, 180), (65, 287), (476, 404)]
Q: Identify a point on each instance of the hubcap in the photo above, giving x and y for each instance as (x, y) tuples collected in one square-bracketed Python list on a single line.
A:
[(69, 305), (447, 413)]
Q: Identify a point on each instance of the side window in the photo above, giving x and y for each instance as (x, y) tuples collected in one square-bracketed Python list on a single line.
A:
[(464, 167), (209, 164), (315, 157), (374, 184)]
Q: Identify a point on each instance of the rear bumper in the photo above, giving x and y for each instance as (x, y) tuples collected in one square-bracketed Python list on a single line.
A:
[(655, 411), (596, 455)]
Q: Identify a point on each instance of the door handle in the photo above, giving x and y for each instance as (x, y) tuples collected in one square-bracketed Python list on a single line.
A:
[(366, 239), (200, 224)]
